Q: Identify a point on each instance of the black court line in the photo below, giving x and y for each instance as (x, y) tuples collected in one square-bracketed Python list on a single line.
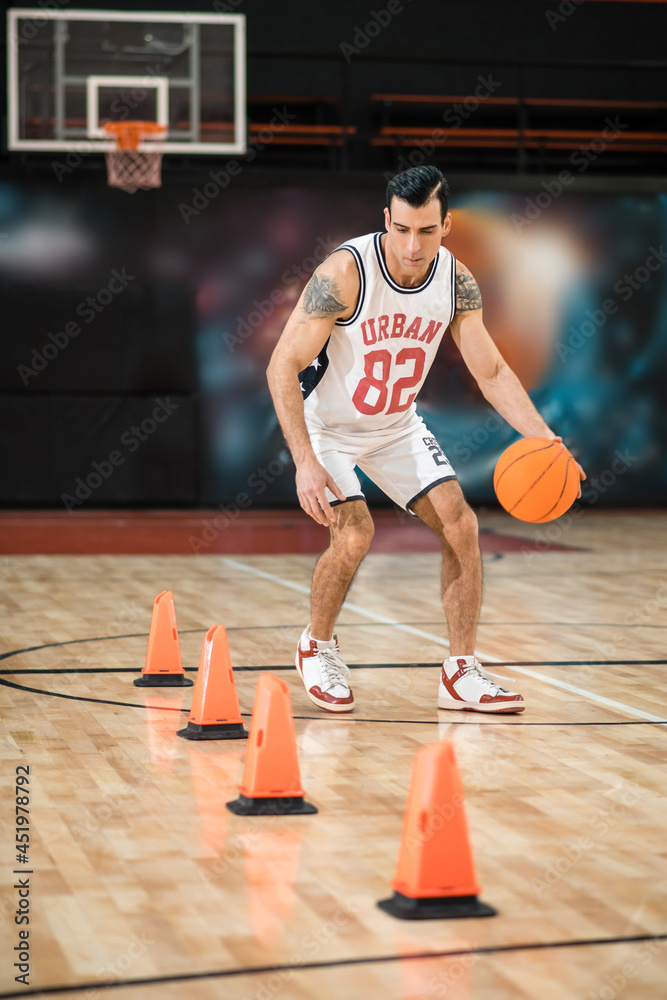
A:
[(526, 571), (439, 624), (324, 717), (93, 670), (54, 671), (259, 970), (539, 624), (358, 666), (475, 721), (96, 701), (351, 666), (98, 638)]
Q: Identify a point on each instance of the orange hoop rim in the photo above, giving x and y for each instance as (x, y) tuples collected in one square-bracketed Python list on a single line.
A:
[(129, 134)]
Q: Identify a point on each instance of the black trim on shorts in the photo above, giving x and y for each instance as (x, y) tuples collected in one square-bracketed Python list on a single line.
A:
[(337, 503), (445, 479)]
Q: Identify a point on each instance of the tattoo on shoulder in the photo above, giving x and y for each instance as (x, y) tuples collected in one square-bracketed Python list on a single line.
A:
[(467, 293), (322, 297)]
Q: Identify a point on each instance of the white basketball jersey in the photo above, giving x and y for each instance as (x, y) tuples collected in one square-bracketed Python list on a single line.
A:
[(369, 372)]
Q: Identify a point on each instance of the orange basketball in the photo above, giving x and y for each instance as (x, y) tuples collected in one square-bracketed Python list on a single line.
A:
[(536, 479)]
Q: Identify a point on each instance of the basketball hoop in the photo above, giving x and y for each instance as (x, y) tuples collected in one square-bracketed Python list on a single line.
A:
[(128, 167)]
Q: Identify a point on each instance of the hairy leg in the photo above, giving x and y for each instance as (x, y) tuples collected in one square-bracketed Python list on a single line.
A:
[(350, 539), (446, 512)]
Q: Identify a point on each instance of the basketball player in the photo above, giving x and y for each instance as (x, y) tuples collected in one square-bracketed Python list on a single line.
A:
[(372, 317)]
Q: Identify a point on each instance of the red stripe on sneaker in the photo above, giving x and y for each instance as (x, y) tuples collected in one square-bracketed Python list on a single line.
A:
[(449, 684), (325, 696), (496, 698)]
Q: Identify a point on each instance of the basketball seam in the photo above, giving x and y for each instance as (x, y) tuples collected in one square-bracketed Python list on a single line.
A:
[(534, 484), (567, 472), (525, 455)]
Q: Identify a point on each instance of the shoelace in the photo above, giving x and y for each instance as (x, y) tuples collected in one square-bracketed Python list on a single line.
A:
[(488, 682), (335, 671)]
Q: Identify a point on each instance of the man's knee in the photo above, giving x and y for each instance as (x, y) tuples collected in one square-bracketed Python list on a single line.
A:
[(354, 539), (462, 526), (468, 521)]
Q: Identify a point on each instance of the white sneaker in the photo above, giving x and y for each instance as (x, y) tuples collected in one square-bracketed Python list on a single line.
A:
[(324, 675), (466, 687)]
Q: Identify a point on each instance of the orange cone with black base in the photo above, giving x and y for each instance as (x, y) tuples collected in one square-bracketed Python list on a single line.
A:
[(271, 783), (163, 667), (435, 874), (215, 712)]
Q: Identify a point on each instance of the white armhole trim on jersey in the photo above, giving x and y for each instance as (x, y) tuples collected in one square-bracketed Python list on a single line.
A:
[(453, 285), (362, 284)]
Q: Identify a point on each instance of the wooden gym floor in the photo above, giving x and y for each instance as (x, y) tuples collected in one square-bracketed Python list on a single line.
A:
[(144, 887)]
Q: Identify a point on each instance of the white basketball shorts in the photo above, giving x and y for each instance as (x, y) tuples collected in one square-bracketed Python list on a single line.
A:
[(404, 461)]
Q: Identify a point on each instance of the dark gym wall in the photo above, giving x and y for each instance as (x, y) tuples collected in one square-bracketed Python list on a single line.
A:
[(128, 377)]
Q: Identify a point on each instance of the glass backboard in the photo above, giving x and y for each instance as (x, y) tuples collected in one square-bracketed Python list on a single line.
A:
[(70, 71)]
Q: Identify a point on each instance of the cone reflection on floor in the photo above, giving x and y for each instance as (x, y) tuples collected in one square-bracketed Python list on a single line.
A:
[(163, 667), (448, 977), (435, 873), (271, 867), (160, 740), (215, 712), (271, 783)]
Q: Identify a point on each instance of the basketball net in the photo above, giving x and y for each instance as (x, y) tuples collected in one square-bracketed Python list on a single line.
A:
[(128, 167)]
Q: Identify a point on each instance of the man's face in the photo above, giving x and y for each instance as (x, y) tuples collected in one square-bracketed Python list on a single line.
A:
[(414, 234)]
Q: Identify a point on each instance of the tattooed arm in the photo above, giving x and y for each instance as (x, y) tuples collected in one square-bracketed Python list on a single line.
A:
[(319, 297), (330, 294), (497, 381)]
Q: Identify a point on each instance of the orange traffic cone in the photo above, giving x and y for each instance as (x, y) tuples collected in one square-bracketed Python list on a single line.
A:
[(435, 873), (163, 665), (271, 783), (215, 712)]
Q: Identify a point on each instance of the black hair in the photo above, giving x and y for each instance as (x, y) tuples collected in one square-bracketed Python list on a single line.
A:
[(417, 186)]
